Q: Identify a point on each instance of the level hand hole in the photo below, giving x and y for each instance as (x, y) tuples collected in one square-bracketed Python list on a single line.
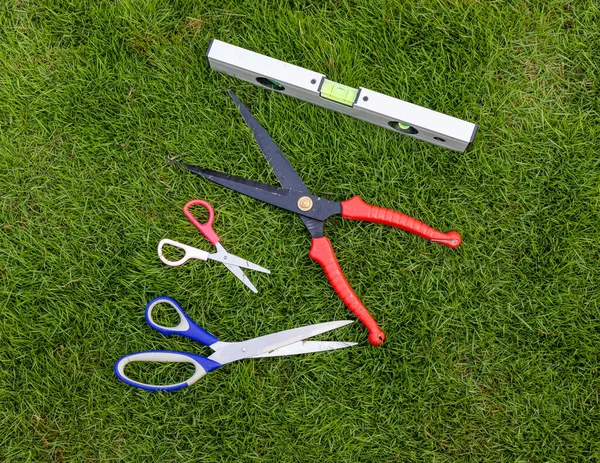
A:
[(269, 83), (440, 139)]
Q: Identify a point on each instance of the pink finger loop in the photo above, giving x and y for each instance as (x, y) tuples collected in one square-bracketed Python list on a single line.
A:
[(205, 228)]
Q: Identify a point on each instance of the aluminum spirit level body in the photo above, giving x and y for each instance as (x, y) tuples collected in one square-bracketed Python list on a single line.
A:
[(362, 103)]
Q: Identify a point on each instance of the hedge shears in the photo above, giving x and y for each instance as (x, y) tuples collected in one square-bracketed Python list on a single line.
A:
[(313, 210)]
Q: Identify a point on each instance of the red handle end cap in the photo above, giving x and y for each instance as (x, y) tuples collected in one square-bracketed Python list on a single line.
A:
[(455, 239), (451, 239), (376, 338)]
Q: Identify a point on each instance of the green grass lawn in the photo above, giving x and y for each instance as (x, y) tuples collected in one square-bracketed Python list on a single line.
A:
[(493, 349)]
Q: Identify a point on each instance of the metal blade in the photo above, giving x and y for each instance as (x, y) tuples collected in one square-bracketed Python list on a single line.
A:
[(283, 198), (284, 171), (207, 173), (239, 262), (270, 342), (238, 272), (306, 347), (261, 191), (230, 259), (233, 264)]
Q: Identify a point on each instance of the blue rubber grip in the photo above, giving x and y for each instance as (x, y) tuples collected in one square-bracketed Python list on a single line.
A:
[(206, 364), (187, 327)]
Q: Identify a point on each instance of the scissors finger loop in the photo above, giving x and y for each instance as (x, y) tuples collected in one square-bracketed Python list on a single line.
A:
[(205, 228), (201, 364), (190, 253), (183, 325), (186, 326)]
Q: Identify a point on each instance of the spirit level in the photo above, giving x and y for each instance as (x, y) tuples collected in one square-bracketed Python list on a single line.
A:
[(361, 103)]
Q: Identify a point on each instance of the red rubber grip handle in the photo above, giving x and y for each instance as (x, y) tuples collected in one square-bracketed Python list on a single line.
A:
[(356, 209), (322, 252)]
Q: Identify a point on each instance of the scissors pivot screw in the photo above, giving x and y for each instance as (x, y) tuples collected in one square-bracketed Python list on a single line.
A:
[(305, 203)]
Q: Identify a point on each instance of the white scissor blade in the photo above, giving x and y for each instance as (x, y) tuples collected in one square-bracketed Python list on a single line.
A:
[(270, 342), (306, 347), (238, 272)]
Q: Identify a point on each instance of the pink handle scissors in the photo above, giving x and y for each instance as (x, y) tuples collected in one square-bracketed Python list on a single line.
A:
[(232, 262)]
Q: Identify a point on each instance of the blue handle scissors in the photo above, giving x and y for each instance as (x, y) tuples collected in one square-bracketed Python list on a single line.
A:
[(289, 342)]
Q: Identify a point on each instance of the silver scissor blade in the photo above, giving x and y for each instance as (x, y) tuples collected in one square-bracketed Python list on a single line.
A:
[(270, 342), (284, 171), (233, 263), (239, 273), (306, 347), (236, 261)]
